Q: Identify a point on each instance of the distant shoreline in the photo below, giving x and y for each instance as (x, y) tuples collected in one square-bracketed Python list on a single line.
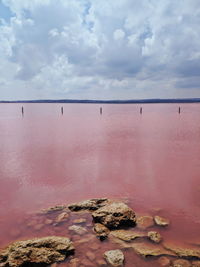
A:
[(131, 101)]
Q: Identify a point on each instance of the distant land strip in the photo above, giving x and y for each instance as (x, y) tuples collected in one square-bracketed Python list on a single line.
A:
[(131, 101)]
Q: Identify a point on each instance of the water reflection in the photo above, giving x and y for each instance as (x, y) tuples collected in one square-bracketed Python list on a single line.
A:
[(152, 159)]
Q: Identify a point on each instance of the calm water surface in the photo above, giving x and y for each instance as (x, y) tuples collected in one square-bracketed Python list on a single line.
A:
[(152, 159)]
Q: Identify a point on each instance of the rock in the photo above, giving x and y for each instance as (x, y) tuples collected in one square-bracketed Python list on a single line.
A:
[(74, 262), (181, 263), (144, 222), (154, 236), (164, 261), (196, 264), (79, 221), (90, 255), (101, 263), (61, 217), (45, 250), (114, 215), (101, 231), (114, 257), (147, 249), (78, 229), (161, 221), (53, 209), (182, 251), (3, 256), (91, 204), (127, 235)]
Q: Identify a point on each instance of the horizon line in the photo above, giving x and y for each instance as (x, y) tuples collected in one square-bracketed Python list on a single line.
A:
[(108, 101)]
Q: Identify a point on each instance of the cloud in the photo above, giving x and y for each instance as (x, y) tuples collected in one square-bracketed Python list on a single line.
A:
[(99, 49)]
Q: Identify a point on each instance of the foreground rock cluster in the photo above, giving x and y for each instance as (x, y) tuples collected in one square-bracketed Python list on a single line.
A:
[(41, 250), (112, 220)]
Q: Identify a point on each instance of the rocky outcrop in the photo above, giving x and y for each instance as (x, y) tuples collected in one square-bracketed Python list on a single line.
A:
[(127, 235), (45, 250), (145, 249), (183, 251), (161, 221), (114, 215), (112, 219), (114, 257), (90, 204), (101, 231)]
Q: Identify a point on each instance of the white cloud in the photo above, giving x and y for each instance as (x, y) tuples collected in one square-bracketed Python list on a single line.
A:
[(118, 34), (100, 49)]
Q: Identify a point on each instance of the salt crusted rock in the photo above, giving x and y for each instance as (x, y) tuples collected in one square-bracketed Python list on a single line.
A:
[(61, 217), (90, 204), (114, 214), (78, 229), (45, 250), (144, 222), (127, 235), (114, 257), (161, 221), (147, 249), (53, 209), (101, 231), (183, 251), (154, 236)]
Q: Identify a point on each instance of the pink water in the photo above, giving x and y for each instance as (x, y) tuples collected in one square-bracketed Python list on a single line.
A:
[(153, 159)]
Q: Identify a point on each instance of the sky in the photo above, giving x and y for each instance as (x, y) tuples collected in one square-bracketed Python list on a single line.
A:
[(99, 49)]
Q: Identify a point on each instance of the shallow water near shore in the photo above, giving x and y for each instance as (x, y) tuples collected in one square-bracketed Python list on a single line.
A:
[(151, 159)]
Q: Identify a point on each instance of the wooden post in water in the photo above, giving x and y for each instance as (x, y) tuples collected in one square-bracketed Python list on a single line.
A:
[(22, 111), (179, 110), (62, 110), (140, 110), (101, 111)]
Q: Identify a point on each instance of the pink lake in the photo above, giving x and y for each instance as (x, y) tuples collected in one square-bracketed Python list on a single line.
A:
[(152, 159)]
